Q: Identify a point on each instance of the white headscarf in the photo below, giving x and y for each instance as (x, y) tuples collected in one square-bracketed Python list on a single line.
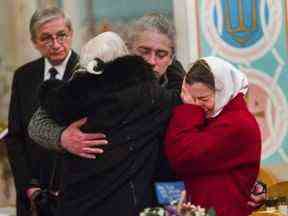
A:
[(229, 82), (106, 46)]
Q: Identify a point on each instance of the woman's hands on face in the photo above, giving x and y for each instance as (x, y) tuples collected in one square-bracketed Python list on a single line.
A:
[(185, 95), (188, 98), (198, 94)]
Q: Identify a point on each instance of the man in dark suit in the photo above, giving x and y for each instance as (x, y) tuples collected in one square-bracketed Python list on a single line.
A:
[(51, 34)]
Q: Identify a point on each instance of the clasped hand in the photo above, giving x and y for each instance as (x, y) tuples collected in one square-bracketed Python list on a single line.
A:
[(87, 145)]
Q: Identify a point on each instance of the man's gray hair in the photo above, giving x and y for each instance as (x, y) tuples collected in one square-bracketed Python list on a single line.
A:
[(45, 15), (154, 22)]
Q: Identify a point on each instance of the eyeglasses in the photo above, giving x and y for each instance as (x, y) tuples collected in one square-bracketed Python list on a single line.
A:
[(48, 39)]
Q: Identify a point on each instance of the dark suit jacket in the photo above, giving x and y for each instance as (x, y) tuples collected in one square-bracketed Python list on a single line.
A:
[(31, 164)]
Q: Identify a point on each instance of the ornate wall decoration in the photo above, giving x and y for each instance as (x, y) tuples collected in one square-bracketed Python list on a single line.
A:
[(252, 35)]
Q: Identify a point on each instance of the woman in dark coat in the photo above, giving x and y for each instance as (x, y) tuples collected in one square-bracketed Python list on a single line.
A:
[(123, 99)]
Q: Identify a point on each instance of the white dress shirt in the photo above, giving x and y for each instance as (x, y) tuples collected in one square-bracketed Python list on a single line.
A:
[(60, 68)]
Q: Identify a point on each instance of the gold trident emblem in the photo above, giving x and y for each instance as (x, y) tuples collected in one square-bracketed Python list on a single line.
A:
[(241, 25)]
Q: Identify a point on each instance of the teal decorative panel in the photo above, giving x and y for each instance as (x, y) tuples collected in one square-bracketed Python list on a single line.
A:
[(252, 35)]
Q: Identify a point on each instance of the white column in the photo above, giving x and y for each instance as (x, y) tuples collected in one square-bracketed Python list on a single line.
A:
[(187, 41), (72, 7), (16, 42)]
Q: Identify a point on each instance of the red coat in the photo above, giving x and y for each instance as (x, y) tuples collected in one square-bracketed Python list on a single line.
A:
[(219, 158)]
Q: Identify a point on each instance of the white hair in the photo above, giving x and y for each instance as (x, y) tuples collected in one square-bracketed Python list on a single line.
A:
[(106, 46)]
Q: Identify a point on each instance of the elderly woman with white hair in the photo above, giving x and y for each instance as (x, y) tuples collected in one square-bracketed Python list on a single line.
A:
[(213, 142), (71, 99), (106, 46), (121, 97)]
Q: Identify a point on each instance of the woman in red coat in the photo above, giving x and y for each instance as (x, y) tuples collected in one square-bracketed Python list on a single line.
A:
[(213, 142)]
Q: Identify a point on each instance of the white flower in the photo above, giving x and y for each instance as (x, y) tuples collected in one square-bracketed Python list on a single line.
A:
[(91, 65), (156, 211)]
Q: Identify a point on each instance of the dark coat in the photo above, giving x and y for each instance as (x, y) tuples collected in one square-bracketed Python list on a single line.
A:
[(31, 164), (126, 103), (172, 79)]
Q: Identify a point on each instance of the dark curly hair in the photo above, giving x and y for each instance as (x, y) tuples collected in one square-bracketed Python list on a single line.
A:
[(200, 72)]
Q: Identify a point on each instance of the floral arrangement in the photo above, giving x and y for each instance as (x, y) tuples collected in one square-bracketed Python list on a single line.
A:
[(172, 210), (178, 208)]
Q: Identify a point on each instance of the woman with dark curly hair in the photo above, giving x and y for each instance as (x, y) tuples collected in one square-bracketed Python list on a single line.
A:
[(213, 142)]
